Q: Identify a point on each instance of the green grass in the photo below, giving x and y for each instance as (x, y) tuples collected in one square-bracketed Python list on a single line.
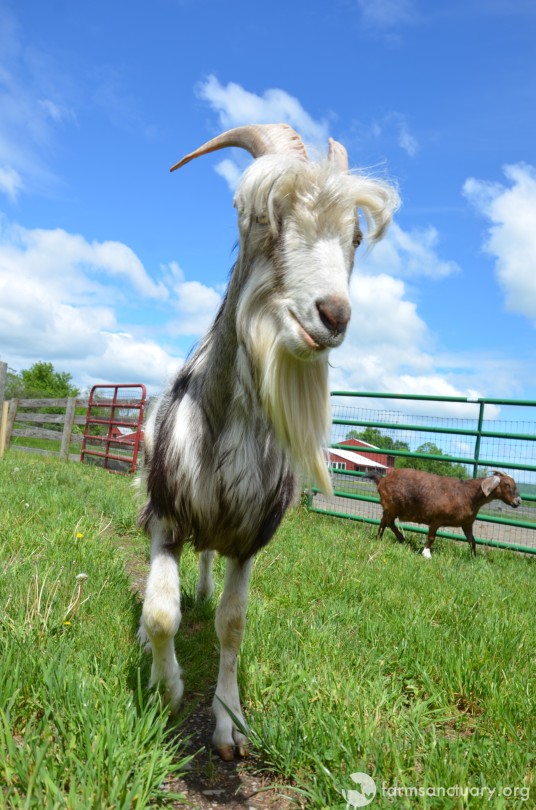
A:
[(51, 445), (76, 729), (362, 656), (358, 656)]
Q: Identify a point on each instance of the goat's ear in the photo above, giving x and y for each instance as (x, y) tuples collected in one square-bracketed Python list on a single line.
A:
[(490, 483)]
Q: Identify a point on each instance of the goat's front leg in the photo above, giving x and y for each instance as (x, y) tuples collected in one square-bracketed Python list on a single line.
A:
[(161, 614), (427, 550), (230, 623), (468, 531)]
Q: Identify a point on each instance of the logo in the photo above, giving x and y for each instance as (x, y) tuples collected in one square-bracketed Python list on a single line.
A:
[(364, 794)]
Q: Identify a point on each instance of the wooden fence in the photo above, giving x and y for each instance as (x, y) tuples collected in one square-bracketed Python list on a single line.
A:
[(24, 420)]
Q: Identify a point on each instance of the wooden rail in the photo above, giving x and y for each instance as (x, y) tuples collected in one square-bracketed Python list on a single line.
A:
[(36, 420)]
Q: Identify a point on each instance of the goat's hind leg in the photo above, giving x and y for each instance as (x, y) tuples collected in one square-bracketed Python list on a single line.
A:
[(382, 526), (390, 521), (205, 583), (161, 613), (230, 624)]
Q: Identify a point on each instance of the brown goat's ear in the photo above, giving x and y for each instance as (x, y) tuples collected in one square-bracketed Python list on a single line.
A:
[(489, 484)]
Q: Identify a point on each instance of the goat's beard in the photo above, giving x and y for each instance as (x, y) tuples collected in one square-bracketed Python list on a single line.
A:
[(294, 394)]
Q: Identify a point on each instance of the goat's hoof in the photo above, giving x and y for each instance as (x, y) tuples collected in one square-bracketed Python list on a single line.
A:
[(427, 554), (226, 752)]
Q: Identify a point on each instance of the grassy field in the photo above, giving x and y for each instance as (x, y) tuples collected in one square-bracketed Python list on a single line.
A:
[(358, 657), (52, 445), (76, 729)]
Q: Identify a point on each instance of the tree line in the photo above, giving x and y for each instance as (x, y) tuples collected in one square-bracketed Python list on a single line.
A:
[(40, 381), (378, 439)]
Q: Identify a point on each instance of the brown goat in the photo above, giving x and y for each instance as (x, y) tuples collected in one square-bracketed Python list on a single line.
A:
[(438, 500)]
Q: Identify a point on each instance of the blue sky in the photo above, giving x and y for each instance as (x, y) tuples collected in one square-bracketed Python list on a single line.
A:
[(111, 267)]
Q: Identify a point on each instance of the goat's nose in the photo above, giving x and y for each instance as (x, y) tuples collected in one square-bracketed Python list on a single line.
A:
[(334, 313)]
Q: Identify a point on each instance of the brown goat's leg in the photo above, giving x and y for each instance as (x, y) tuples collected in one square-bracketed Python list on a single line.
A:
[(396, 531), (468, 531), (383, 524), (427, 550)]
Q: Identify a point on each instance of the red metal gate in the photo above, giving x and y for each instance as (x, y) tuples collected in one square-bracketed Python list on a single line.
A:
[(114, 426)]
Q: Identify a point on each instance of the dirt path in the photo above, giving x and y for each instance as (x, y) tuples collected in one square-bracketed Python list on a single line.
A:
[(211, 783)]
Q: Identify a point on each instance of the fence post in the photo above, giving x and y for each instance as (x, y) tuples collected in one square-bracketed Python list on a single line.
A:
[(3, 382), (3, 428), (478, 438), (12, 413), (67, 428)]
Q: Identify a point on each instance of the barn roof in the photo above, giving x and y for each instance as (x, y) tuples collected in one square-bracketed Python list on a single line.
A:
[(356, 458)]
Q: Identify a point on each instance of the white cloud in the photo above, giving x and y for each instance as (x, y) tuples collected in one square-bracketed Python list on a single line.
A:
[(69, 265), (236, 106), (125, 358), (390, 348), (409, 254), (57, 112), (386, 13), (195, 303), (406, 140), (384, 337), (511, 237), (392, 128), (230, 172), (10, 182), (60, 297)]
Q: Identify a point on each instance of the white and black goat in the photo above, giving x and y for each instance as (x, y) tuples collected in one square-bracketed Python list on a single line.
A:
[(249, 411)]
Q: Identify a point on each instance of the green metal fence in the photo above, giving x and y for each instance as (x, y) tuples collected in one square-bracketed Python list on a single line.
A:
[(463, 436)]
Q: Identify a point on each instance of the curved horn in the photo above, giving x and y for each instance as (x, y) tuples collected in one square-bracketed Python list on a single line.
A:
[(257, 139), (337, 154)]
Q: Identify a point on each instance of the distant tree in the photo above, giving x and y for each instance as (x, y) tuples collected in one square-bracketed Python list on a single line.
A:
[(377, 438), (40, 381), (433, 465), (14, 385)]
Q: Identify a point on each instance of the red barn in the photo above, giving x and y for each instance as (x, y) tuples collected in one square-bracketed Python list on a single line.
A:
[(340, 459), (384, 459)]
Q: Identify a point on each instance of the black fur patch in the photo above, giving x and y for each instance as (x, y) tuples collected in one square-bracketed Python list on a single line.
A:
[(273, 515), (161, 495)]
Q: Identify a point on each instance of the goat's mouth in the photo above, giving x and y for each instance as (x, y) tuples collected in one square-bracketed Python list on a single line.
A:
[(313, 344)]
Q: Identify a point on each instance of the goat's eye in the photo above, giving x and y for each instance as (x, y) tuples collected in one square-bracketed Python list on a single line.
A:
[(262, 219), (357, 237)]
